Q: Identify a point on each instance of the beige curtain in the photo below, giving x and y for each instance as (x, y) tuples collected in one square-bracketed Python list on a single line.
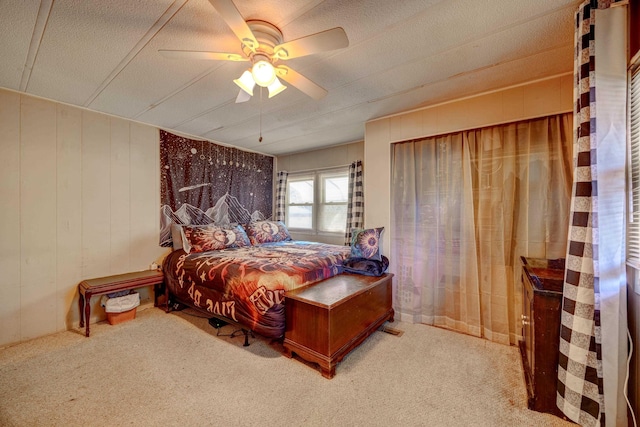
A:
[(466, 206)]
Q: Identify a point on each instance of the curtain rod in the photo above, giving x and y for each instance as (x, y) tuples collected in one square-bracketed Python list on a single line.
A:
[(320, 169)]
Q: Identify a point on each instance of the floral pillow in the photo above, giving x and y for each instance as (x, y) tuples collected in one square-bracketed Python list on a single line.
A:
[(267, 231), (202, 238), (366, 243)]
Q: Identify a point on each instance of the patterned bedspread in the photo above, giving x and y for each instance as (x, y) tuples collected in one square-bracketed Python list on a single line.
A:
[(247, 284)]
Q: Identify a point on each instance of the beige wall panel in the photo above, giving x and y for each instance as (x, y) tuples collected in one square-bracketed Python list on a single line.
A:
[(377, 192), (38, 217), (429, 121), (406, 126), (355, 151), (484, 110), (512, 104), (452, 117), (395, 127), (96, 206), (67, 307), (542, 98), (10, 315), (328, 157), (10, 189), (38, 310), (566, 91), (145, 197), (340, 155), (333, 156), (295, 165), (69, 214), (282, 163), (302, 161), (120, 196), (10, 217), (291, 164)]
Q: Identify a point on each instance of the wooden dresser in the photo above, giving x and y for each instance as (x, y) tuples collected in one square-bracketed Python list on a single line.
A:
[(328, 319), (542, 282)]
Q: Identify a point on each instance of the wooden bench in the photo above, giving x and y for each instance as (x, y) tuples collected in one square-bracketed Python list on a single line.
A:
[(328, 319), (109, 284)]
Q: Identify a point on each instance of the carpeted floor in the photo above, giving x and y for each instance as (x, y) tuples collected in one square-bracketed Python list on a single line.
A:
[(172, 370)]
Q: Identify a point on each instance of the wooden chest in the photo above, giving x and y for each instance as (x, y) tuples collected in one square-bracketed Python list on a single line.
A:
[(328, 319)]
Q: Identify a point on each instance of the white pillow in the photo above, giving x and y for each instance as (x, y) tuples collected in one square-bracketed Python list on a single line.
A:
[(176, 236)]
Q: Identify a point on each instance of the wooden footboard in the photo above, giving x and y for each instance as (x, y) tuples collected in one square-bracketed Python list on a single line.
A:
[(328, 319)]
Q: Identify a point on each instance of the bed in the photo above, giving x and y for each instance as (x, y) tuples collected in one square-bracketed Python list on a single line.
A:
[(243, 278)]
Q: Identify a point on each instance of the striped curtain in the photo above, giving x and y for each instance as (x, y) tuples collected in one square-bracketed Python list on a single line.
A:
[(580, 372), (281, 196), (355, 203)]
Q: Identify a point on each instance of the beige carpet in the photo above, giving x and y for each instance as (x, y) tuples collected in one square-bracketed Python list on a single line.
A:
[(171, 369)]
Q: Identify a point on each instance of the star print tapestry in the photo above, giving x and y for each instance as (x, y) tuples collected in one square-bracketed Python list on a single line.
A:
[(202, 183)]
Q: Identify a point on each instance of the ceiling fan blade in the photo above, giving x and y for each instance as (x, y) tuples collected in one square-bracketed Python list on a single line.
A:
[(242, 97), (301, 82), (229, 12), (194, 54), (334, 38)]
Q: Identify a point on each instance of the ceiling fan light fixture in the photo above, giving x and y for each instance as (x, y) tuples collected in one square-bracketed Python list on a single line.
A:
[(246, 82), (263, 73), (276, 87)]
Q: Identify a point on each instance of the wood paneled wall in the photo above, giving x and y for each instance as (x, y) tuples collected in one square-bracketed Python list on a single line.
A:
[(80, 199), (634, 27)]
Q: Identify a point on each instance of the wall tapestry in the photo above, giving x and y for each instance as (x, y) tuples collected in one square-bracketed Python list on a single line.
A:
[(202, 182)]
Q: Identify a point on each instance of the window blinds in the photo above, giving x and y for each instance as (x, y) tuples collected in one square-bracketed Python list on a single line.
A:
[(633, 229)]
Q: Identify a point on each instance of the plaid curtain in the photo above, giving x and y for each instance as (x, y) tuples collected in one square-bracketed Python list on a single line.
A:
[(580, 382), (355, 203), (281, 195)]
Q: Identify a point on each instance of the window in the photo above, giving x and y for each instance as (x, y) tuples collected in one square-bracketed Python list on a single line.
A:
[(317, 201), (300, 197), (633, 229)]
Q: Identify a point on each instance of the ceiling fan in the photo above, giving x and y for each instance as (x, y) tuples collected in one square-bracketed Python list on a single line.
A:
[(262, 44)]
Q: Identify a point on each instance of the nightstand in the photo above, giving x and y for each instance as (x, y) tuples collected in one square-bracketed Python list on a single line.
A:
[(542, 283)]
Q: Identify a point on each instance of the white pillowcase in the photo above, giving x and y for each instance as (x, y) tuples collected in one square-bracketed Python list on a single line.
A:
[(176, 236)]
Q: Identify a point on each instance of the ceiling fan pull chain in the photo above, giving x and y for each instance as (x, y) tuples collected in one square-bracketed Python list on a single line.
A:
[(260, 139)]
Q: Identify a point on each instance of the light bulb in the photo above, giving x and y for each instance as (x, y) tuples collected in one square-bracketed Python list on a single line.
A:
[(246, 82), (276, 87), (263, 73)]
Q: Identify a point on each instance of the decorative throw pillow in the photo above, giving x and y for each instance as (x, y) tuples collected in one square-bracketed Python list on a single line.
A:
[(202, 238), (267, 231), (366, 243)]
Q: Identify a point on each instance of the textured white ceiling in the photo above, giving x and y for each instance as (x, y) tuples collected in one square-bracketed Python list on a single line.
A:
[(103, 55)]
